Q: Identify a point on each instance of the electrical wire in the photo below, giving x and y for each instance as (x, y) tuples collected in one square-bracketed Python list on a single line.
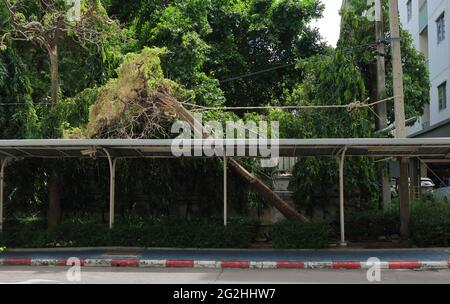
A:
[(256, 73)]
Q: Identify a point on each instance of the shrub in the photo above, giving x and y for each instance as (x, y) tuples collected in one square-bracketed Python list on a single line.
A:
[(370, 225), (299, 235), (200, 233), (75, 234), (177, 233), (430, 224)]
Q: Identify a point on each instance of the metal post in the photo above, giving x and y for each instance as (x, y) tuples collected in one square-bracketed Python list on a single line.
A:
[(112, 185), (225, 191), (404, 201), (2, 180), (341, 196)]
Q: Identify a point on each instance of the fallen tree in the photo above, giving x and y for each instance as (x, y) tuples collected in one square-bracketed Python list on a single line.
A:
[(141, 103)]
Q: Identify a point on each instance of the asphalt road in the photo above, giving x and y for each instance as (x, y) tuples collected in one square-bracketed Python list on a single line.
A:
[(58, 275)]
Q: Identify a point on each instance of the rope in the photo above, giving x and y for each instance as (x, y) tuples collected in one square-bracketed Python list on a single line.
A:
[(351, 106)]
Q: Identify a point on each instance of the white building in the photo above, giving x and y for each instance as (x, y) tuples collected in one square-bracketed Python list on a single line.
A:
[(428, 22)]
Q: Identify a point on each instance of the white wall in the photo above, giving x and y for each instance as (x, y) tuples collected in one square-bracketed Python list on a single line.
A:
[(412, 26), (439, 57), (439, 54)]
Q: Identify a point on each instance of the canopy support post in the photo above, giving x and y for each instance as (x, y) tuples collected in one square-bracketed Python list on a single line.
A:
[(112, 186), (341, 160), (3, 164), (225, 191)]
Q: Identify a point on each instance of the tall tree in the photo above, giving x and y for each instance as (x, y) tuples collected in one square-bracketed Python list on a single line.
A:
[(213, 41), (46, 23)]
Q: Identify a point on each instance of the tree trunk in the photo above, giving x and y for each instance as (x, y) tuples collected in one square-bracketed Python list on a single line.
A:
[(54, 73), (266, 193), (54, 204)]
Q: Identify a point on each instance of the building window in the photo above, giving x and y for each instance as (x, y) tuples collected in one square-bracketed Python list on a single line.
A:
[(409, 9), (442, 93), (440, 23)]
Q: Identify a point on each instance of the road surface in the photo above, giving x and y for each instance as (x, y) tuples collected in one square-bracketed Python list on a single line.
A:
[(58, 275)]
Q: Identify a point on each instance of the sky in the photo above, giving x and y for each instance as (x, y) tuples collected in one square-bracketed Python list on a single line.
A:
[(329, 25)]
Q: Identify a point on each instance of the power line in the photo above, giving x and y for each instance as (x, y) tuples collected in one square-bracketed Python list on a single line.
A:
[(371, 45), (257, 73)]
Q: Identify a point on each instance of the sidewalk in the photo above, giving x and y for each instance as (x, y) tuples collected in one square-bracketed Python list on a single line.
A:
[(257, 259)]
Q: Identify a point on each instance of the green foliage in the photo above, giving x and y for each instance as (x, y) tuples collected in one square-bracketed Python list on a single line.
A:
[(215, 39), (370, 225), (430, 224), (15, 90), (315, 178), (298, 235), (358, 31), (137, 232)]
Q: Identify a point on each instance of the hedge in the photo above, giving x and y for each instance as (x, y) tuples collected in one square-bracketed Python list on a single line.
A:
[(430, 224), (299, 235), (176, 233), (370, 225)]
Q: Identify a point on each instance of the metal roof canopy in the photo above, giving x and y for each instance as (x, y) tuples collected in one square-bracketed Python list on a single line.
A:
[(131, 148), (114, 149)]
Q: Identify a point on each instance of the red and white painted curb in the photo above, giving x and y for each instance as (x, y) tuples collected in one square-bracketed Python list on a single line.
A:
[(410, 265)]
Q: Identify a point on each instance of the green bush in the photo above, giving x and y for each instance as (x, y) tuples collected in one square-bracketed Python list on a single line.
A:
[(370, 225), (430, 224), (200, 233), (78, 234), (299, 235), (136, 232)]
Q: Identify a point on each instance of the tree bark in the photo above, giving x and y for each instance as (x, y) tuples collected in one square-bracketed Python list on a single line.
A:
[(266, 193), (54, 73), (54, 199)]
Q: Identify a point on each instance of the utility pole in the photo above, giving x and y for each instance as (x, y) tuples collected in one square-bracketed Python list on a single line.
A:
[(381, 109), (400, 128)]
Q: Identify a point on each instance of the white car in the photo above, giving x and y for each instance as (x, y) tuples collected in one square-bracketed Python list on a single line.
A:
[(426, 183)]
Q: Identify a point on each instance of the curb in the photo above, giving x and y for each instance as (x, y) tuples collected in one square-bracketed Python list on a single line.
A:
[(351, 265)]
